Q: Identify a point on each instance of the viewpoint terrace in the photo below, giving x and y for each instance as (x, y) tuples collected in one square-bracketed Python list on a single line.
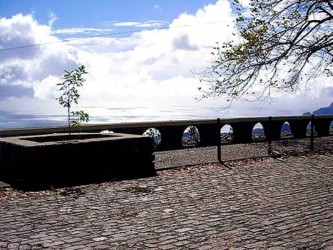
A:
[(280, 202)]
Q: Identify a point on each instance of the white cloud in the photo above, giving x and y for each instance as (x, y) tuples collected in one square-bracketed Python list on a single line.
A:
[(245, 3), (84, 31), (103, 45), (21, 31), (146, 75), (183, 42), (25, 66), (47, 88), (52, 18), (146, 24)]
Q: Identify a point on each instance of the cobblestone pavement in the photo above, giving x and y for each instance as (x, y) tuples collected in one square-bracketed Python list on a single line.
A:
[(284, 203), (230, 152)]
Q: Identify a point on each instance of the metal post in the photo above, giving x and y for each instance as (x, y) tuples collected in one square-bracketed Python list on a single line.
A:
[(312, 133), (218, 142), (269, 139)]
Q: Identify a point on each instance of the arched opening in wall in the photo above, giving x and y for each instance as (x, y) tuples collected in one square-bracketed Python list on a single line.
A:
[(286, 131), (106, 131), (331, 128), (226, 134), (258, 133), (156, 135), (191, 137), (308, 130)]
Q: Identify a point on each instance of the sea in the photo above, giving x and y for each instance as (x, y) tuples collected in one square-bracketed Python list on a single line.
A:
[(17, 119)]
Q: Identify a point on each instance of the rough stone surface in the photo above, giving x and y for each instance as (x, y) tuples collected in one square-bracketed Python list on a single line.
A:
[(39, 162), (231, 152), (282, 203)]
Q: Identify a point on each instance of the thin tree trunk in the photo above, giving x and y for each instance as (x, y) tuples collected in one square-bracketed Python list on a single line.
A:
[(68, 119)]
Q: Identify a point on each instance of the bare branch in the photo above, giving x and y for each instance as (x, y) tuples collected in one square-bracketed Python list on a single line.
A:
[(278, 43)]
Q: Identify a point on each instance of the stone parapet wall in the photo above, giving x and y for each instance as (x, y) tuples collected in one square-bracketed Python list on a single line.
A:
[(209, 129)]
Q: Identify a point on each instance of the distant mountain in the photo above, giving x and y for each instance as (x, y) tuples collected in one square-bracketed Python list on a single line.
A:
[(322, 111)]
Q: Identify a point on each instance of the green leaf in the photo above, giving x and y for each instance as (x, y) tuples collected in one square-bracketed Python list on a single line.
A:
[(72, 80)]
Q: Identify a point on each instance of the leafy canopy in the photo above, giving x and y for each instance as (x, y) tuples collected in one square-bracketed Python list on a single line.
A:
[(279, 44), (72, 80)]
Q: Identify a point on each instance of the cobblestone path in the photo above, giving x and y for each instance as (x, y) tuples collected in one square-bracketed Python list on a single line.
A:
[(230, 152), (266, 204)]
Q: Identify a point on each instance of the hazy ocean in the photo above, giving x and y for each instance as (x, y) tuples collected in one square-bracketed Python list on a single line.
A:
[(105, 115)]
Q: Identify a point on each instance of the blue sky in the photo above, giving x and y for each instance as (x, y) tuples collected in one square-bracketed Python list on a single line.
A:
[(147, 74), (100, 13), (76, 13), (113, 18)]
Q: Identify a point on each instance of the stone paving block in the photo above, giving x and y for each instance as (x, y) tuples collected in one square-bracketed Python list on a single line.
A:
[(166, 247)]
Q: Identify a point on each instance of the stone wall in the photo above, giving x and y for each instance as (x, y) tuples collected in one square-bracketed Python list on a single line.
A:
[(209, 129)]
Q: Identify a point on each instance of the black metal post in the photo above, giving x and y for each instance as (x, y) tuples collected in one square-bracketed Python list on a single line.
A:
[(218, 142), (312, 133), (269, 139)]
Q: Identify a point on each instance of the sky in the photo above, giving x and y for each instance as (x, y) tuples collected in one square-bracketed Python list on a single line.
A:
[(141, 58)]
